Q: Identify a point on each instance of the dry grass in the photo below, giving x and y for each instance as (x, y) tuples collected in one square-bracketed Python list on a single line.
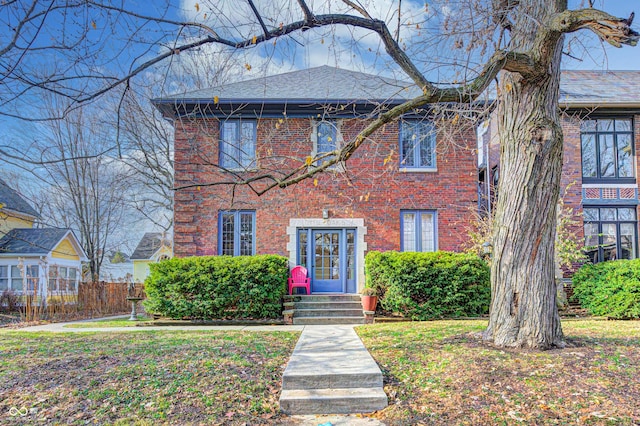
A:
[(441, 373)]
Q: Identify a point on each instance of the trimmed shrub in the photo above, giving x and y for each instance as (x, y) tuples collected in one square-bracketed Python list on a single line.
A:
[(610, 289), (424, 286), (218, 287)]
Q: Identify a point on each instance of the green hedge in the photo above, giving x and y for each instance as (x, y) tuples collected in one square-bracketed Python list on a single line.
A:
[(218, 287), (609, 289), (425, 286)]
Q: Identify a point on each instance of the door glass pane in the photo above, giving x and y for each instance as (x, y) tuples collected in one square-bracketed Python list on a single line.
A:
[(319, 262), (628, 240), (335, 255), (591, 241), (302, 247), (609, 241), (607, 159), (589, 166), (625, 163), (351, 254), (409, 232), (16, 278), (428, 243), (246, 234), (608, 214)]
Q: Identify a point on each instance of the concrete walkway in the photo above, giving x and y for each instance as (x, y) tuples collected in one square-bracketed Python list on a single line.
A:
[(330, 371)]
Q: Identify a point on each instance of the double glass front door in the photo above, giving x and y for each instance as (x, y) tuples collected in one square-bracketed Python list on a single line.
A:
[(329, 255)]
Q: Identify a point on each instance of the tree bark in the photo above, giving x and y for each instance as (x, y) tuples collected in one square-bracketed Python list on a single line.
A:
[(523, 307)]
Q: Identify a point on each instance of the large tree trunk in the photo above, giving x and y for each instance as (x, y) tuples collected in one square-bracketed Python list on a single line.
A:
[(523, 305)]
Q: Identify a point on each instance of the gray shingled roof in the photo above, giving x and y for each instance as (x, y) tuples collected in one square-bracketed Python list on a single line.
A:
[(31, 241), (11, 200), (322, 83), (148, 246), (597, 88)]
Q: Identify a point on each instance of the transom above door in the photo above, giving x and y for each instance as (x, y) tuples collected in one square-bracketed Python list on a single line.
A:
[(329, 256)]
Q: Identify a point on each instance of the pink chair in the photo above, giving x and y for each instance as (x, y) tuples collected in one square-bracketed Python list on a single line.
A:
[(299, 279)]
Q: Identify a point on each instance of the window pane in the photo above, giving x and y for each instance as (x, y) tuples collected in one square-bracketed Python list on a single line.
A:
[(589, 166), (626, 214), (588, 126), (623, 125), (605, 125), (590, 214), (607, 166), (73, 279), (248, 144), (326, 137), (628, 240), (409, 232), (428, 243), (625, 160), (426, 150), (16, 278), (246, 234), (229, 144), (609, 241), (227, 234), (591, 241), (608, 214), (4, 281), (408, 142), (63, 281)]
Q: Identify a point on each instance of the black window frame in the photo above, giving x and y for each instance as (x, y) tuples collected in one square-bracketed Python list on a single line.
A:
[(237, 243), (617, 223), (596, 133)]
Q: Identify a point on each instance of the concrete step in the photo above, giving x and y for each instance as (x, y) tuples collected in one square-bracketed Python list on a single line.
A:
[(327, 320), (332, 401), (326, 305), (358, 378), (322, 298), (327, 312)]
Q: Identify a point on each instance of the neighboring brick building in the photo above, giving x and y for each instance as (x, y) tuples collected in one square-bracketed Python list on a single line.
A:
[(600, 119), (405, 189)]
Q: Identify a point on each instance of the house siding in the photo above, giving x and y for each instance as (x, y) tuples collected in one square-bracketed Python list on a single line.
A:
[(372, 189)]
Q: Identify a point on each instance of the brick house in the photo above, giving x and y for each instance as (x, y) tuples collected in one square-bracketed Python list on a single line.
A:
[(600, 116), (413, 187)]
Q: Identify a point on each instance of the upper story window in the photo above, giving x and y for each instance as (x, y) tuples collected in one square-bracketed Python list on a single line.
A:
[(607, 150), (418, 230), (325, 138), (238, 144), (237, 232), (417, 146)]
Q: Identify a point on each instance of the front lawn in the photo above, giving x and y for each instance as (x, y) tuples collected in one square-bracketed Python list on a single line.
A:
[(441, 373), (168, 377), (110, 322)]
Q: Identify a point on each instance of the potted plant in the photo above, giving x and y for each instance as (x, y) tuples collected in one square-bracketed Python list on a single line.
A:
[(369, 298)]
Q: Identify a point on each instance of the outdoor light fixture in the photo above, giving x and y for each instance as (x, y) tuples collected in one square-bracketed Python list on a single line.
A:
[(325, 213)]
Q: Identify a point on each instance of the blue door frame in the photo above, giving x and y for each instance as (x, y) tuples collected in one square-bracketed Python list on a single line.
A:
[(329, 255)]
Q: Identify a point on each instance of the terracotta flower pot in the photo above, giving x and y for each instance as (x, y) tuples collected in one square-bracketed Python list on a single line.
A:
[(369, 303)]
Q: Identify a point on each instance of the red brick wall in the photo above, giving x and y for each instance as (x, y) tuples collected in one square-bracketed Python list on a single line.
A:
[(372, 188)]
